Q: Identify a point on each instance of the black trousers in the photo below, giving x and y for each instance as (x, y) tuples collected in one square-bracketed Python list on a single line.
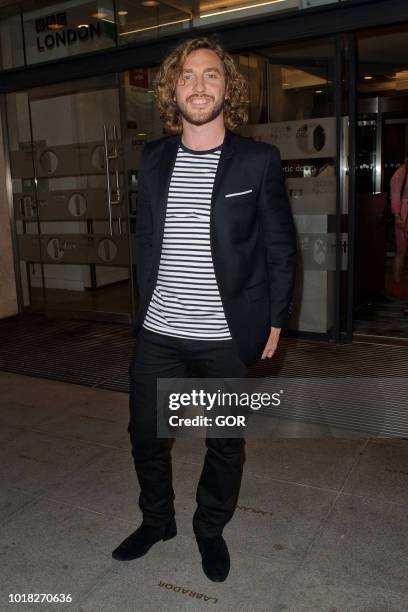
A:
[(159, 356)]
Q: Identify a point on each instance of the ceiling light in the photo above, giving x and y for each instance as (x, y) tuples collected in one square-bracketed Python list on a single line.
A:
[(99, 14), (83, 25), (149, 2), (368, 78), (159, 25), (122, 13), (401, 82), (318, 91), (240, 8)]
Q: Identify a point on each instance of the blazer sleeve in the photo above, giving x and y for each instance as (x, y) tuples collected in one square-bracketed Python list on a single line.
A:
[(279, 239), (143, 235)]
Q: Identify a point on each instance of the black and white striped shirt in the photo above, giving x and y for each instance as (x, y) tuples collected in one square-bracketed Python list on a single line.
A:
[(186, 302)]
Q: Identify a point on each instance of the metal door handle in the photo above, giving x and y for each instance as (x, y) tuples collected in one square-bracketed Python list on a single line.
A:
[(115, 139), (117, 189), (114, 154), (118, 199), (108, 182)]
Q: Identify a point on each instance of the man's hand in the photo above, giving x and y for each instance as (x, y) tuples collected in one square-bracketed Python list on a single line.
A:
[(272, 343)]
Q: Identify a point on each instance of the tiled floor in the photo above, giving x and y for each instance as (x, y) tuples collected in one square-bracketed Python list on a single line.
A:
[(321, 523)]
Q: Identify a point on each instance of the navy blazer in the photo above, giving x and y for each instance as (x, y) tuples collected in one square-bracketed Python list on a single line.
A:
[(253, 240)]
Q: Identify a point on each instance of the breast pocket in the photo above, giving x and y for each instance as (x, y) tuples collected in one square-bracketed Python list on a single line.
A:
[(240, 207), (236, 198), (239, 194)]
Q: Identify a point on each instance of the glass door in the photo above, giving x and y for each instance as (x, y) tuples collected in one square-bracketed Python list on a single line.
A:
[(381, 277), (69, 192)]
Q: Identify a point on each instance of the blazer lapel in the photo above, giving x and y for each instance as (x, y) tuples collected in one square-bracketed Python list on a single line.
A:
[(166, 165), (227, 152)]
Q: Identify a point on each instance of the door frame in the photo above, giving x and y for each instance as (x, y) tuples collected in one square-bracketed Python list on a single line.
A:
[(346, 331)]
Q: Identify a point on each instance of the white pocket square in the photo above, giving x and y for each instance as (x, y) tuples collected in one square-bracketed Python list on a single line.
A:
[(230, 195)]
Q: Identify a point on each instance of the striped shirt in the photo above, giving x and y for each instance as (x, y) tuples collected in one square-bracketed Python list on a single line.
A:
[(186, 301)]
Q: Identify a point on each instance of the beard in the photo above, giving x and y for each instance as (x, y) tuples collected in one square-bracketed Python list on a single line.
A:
[(200, 116)]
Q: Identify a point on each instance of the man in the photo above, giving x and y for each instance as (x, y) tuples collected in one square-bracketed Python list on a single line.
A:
[(215, 247)]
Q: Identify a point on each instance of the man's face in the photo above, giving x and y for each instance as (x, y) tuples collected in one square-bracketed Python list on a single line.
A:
[(200, 89)]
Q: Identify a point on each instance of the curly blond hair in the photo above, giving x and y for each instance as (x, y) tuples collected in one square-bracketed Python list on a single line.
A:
[(236, 88)]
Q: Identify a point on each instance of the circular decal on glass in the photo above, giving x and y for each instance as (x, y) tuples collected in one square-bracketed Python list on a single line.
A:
[(48, 162), (54, 249), (77, 205), (98, 157), (311, 138), (107, 250)]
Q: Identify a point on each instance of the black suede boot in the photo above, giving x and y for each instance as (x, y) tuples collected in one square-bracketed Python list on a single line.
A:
[(215, 557), (140, 541)]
